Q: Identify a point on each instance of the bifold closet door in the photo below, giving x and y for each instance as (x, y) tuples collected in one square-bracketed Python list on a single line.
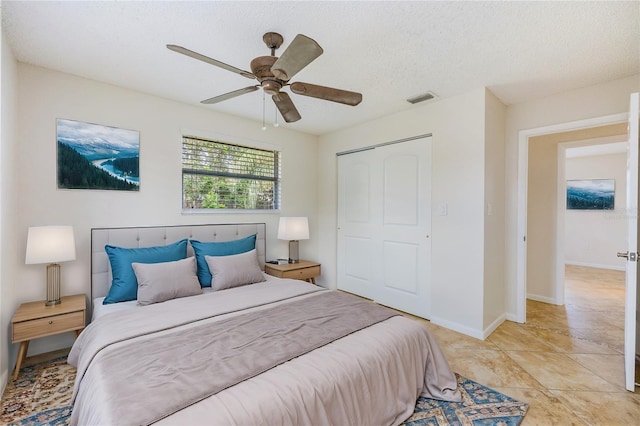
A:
[(384, 225)]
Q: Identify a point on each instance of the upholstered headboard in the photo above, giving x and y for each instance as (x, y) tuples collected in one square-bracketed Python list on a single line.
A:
[(162, 235)]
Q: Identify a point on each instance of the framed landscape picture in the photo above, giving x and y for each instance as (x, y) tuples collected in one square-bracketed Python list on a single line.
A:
[(591, 194), (92, 156)]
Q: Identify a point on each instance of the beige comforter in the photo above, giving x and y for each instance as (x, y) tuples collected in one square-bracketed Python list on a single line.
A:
[(372, 376)]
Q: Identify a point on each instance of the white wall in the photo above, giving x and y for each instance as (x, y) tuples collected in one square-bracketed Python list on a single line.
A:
[(494, 280), (45, 95), (592, 237), (589, 102), (542, 210), (8, 99), (458, 128)]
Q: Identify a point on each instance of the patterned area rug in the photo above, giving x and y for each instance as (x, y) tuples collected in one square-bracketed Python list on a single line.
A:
[(480, 406), (42, 394)]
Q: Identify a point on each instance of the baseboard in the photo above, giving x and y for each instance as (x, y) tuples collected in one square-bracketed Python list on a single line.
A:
[(457, 327), (492, 327), (511, 317), (595, 265), (544, 299)]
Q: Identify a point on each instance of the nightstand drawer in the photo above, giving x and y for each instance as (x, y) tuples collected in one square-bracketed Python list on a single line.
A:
[(27, 330), (302, 274)]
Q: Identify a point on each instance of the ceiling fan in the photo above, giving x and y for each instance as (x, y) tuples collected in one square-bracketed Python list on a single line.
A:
[(274, 73)]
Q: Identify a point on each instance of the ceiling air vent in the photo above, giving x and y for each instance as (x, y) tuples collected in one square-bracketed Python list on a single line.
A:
[(421, 98)]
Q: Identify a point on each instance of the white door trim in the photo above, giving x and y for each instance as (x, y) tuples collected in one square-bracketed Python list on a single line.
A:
[(521, 226), (631, 274), (561, 207)]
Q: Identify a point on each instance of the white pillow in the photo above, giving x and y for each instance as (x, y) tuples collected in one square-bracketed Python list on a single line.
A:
[(234, 270), (158, 282)]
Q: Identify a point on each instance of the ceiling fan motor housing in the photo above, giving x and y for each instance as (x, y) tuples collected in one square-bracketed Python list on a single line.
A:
[(261, 68)]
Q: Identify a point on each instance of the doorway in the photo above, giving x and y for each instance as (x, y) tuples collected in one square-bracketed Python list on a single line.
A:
[(547, 254), (591, 235), (554, 254), (593, 287), (547, 210), (550, 223)]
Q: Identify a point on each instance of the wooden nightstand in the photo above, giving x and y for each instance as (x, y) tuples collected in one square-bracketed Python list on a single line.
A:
[(303, 270), (34, 319)]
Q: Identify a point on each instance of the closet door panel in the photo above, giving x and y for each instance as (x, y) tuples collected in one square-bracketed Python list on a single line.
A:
[(400, 195), (405, 226), (400, 266), (357, 258), (355, 225)]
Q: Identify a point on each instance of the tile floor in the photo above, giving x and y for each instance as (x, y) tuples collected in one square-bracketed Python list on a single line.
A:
[(566, 361)]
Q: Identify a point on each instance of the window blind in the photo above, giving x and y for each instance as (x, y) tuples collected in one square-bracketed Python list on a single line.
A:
[(220, 175)]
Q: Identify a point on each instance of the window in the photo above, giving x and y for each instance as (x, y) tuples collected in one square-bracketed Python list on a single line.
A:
[(218, 175)]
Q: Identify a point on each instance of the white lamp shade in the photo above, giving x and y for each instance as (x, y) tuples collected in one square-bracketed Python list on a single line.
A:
[(293, 228), (50, 244)]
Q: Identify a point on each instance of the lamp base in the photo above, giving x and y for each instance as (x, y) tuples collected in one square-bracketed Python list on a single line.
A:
[(53, 284), (293, 251)]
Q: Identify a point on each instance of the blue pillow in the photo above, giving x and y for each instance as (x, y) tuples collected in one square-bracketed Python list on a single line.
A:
[(225, 248), (124, 286)]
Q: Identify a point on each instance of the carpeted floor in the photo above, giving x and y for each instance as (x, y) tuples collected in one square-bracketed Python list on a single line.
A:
[(42, 393)]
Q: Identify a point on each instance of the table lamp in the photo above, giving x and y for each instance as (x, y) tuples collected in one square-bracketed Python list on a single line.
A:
[(50, 245), (293, 229)]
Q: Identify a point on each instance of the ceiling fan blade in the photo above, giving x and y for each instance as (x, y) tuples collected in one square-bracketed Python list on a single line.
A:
[(286, 107), (327, 93), (209, 60), (300, 53), (229, 95)]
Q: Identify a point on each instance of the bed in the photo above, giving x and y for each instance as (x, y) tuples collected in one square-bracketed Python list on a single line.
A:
[(276, 351)]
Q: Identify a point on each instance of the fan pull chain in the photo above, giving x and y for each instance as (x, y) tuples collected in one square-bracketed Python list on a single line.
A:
[(264, 126), (275, 123)]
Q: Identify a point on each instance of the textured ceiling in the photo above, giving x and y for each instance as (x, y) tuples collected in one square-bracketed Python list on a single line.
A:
[(389, 51)]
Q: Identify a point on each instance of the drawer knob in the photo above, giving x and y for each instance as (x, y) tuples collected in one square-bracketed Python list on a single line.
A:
[(50, 322)]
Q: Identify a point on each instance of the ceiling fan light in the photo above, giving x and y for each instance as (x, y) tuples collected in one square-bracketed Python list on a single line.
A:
[(271, 87)]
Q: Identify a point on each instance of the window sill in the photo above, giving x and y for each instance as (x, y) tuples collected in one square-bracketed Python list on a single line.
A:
[(227, 211)]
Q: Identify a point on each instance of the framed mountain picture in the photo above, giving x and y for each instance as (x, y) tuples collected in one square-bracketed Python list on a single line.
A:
[(93, 156), (591, 194)]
